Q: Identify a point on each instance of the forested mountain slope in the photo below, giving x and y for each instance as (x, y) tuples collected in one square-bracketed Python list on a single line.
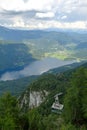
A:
[(14, 56), (51, 82), (74, 98), (16, 87)]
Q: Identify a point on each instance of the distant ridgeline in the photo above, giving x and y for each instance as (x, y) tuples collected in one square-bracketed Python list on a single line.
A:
[(61, 45)]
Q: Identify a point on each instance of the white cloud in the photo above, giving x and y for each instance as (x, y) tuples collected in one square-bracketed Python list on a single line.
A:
[(45, 15), (48, 24), (18, 22), (64, 17), (48, 13), (20, 5)]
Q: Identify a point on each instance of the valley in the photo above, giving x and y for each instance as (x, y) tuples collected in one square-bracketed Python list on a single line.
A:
[(26, 53), (21, 48), (35, 66), (43, 64), (42, 43)]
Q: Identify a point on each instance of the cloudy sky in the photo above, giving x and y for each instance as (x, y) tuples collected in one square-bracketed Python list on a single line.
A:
[(42, 14)]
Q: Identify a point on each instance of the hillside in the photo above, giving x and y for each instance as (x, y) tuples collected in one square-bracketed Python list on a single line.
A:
[(14, 57), (33, 109), (67, 67), (51, 83), (16, 87), (41, 93)]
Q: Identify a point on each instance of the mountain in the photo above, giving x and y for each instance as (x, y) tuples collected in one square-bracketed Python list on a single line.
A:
[(19, 48), (39, 107), (50, 84), (16, 87), (14, 56), (19, 35), (66, 45), (38, 101), (65, 68), (70, 90)]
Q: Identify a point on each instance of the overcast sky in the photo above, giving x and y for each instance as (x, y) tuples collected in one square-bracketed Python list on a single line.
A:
[(42, 14)]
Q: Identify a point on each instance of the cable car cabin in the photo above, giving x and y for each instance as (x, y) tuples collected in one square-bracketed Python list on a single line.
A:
[(56, 106)]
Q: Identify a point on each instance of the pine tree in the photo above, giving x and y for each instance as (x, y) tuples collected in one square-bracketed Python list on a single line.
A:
[(8, 112), (75, 102)]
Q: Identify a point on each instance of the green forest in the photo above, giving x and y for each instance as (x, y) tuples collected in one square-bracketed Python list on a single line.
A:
[(14, 56), (73, 117)]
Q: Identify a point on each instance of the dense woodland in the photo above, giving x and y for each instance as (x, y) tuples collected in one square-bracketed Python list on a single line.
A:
[(73, 117)]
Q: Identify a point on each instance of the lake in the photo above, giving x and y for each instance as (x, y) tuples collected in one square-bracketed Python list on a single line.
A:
[(35, 68)]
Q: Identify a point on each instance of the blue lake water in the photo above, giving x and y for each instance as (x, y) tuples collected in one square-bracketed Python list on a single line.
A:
[(35, 68)]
